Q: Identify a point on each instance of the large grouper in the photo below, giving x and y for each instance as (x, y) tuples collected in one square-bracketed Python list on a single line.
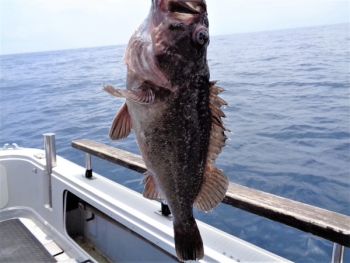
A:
[(174, 110)]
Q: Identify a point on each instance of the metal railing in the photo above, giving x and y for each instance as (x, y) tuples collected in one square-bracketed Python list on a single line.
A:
[(50, 156), (329, 225)]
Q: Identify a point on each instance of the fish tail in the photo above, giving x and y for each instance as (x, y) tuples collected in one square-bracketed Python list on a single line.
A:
[(188, 241)]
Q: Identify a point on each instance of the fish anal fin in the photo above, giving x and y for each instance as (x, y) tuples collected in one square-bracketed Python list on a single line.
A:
[(213, 189), (121, 124), (142, 96), (150, 191)]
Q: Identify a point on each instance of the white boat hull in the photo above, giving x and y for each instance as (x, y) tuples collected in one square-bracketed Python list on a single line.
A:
[(125, 227)]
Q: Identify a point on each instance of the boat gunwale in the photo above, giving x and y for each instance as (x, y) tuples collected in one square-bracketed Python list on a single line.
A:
[(317, 221)]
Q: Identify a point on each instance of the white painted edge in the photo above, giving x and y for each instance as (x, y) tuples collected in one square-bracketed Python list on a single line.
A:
[(46, 241)]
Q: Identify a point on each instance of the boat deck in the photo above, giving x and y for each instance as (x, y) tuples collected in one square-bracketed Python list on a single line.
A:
[(18, 244), (23, 240)]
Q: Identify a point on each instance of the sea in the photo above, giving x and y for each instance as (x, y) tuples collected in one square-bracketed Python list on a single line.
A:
[(289, 116)]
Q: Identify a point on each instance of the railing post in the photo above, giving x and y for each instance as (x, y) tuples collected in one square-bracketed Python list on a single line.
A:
[(50, 156), (338, 253), (165, 208), (88, 173)]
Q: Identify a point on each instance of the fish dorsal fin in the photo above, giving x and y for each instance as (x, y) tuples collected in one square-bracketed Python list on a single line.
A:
[(150, 191), (145, 96), (217, 133), (215, 182), (121, 124)]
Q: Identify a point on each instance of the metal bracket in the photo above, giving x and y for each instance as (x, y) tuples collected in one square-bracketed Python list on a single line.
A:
[(165, 209), (91, 218), (88, 172), (15, 147)]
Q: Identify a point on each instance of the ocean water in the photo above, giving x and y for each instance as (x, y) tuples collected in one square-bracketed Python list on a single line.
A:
[(289, 113)]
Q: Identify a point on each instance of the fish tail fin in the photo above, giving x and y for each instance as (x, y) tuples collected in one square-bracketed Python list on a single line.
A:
[(188, 241)]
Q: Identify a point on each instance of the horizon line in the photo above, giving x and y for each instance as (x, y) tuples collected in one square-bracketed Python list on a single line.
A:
[(114, 45)]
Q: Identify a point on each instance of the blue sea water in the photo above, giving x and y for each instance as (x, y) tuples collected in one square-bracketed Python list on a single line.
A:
[(289, 98)]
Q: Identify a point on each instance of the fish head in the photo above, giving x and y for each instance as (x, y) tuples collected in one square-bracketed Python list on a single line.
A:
[(180, 37), (170, 45)]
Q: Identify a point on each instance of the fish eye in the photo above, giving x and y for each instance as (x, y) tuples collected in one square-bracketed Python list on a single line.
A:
[(201, 36)]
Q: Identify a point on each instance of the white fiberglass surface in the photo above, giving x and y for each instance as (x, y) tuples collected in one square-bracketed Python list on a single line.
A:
[(125, 206)]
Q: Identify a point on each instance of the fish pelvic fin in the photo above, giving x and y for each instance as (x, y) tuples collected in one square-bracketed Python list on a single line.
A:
[(188, 241), (215, 182), (121, 124), (150, 191), (145, 96)]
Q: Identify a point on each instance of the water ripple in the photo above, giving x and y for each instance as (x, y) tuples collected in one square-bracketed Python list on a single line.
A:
[(288, 93)]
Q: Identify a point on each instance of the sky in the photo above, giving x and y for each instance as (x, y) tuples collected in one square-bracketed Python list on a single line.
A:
[(43, 25)]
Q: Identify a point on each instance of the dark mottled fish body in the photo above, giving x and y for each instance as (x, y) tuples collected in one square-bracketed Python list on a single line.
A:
[(175, 113)]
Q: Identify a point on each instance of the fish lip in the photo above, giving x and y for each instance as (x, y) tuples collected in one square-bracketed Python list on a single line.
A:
[(158, 11), (161, 8), (187, 6)]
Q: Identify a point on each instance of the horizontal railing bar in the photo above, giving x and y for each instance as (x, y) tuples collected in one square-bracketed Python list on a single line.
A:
[(317, 221), (126, 159), (314, 220)]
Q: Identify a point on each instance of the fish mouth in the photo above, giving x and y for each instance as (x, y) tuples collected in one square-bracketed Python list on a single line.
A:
[(159, 35), (167, 15), (182, 10)]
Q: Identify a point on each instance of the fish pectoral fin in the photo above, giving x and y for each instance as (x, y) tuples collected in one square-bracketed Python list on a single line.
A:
[(112, 90), (121, 124), (150, 191), (145, 96), (213, 189)]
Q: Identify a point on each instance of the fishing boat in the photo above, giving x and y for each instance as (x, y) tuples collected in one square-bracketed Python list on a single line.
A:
[(53, 210)]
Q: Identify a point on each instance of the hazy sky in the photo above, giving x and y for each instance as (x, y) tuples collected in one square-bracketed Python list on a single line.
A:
[(41, 25)]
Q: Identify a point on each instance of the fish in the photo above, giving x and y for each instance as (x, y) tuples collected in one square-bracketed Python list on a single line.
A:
[(174, 110)]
